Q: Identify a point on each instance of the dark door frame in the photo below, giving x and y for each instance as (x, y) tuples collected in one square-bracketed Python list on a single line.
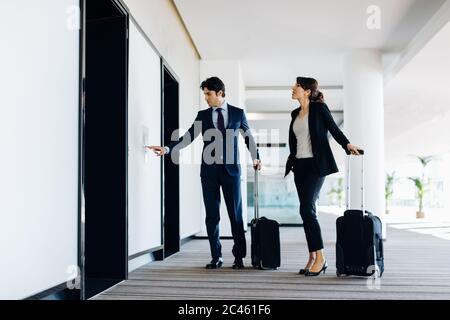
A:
[(170, 245), (157, 252), (121, 7)]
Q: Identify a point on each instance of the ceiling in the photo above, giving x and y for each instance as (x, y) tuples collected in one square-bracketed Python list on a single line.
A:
[(419, 95), (276, 41)]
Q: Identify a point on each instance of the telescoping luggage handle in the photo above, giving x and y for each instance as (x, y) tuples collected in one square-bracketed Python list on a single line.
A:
[(361, 152), (256, 195)]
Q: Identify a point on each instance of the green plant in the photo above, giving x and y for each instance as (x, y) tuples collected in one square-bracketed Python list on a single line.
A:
[(421, 190), (389, 188), (338, 191), (420, 182)]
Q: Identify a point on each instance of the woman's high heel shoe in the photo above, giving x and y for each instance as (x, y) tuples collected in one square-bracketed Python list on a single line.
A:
[(303, 271), (312, 274)]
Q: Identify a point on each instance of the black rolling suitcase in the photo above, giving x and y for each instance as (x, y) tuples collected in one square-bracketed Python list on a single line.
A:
[(359, 243), (265, 238)]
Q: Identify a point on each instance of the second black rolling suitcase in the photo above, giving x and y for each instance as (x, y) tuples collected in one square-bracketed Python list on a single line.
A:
[(359, 242), (265, 238)]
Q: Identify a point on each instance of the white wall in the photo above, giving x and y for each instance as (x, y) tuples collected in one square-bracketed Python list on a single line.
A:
[(446, 177), (144, 169), (160, 21), (229, 72), (273, 128), (39, 143)]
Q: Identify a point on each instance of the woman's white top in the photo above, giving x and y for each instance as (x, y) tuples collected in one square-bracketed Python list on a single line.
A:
[(301, 131)]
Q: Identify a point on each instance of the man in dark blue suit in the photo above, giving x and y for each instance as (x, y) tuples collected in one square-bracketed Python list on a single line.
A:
[(220, 126)]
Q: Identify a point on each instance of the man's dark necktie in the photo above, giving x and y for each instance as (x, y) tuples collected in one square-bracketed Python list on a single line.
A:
[(221, 128), (220, 121)]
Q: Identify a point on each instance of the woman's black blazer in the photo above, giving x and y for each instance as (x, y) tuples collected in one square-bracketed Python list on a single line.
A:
[(320, 122)]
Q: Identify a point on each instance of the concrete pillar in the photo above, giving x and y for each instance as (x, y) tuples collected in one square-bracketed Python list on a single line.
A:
[(446, 178), (364, 126)]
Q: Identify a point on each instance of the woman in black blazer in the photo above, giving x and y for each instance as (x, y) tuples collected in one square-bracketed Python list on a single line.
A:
[(311, 159)]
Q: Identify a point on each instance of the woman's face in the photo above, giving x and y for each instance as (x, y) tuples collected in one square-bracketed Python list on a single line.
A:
[(298, 93)]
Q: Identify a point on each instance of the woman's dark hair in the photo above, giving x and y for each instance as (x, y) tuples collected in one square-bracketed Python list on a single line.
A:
[(213, 84), (313, 85)]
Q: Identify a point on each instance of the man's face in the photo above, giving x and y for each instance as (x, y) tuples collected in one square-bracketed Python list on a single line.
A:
[(212, 98)]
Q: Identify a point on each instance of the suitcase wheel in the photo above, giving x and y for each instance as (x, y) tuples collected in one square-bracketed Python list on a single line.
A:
[(340, 274)]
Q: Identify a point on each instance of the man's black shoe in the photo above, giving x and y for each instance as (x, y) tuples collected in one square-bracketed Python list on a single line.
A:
[(215, 264), (238, 263)]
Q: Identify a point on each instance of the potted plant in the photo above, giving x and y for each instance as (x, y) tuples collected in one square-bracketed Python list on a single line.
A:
[(338, 191), (389, 189), (420, 192), (421, 184)]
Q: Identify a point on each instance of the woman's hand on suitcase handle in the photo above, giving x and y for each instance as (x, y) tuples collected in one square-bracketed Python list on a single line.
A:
[(354, 150), (257, 164)]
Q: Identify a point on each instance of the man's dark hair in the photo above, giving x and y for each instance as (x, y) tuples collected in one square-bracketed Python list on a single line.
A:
[(213, 84)]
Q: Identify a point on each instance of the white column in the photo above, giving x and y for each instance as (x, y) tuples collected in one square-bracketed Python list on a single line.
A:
[(229, 71), (364, 126), (446, 178)]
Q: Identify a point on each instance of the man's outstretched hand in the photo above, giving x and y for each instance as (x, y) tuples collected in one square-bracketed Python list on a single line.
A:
[(160, 151)]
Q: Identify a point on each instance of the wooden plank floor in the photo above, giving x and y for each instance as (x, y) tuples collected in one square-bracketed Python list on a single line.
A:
[(417, 267)]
